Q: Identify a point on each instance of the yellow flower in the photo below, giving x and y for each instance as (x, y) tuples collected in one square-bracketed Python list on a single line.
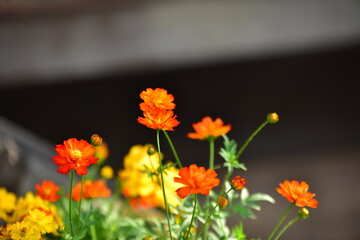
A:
[(137, 184), (5, 233), (102, 152), (107, 172), (41, 220), (23, 231), (7, 203)]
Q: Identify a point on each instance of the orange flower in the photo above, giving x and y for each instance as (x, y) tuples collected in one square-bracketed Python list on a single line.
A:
[(208, 128), (297, 193), (197, 180), (159, 119), (156, 99), (238, 183), (74, 154), (91, 190), (48, 191)]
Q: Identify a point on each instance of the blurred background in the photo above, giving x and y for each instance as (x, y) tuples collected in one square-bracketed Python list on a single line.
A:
[(74, 68)]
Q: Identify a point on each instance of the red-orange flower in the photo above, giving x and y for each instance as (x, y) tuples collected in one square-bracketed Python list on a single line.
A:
[(208, 128), (159, 119), (74, 154), (91, 190), (197, 180), (156, 99), (238, 183), (297, 193), (47, 191)]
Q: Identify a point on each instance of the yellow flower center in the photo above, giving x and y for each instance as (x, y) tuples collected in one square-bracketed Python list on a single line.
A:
[(75, 155), (47, 191)]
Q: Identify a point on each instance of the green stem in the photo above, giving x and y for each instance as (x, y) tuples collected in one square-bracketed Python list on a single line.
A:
[(289, 224), (173, 149), (281, 221), (241, 150), (243, 147), (93, 232), (70, 200), (192, 217), (211, 154), (80, 201), (209, 217), (162, 182)]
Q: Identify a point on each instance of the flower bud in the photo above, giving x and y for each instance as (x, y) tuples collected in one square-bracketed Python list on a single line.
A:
[(151, 150), (96, 140), (107, 172), (238, 183), (147, 238), (304, 213), (223, 202), (272, 118)]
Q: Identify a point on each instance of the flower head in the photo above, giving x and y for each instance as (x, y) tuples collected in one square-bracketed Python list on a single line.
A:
[(297, 193), (272, 118), (208, 128), (196, 180), (23, 231), (238, 183), (107, 172), (223, 202), (96, 140), (48, 191), (7, 203), (156, 99), (159, 119), (91, 190), (74, 154)]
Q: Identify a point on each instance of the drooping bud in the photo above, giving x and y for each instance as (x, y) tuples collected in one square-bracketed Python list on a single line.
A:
[(96, 140), (238, 183), (272, 118), (223, 202), (304, 213)]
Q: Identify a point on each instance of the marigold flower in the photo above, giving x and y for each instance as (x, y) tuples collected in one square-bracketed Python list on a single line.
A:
[(47, 191), (141, 189), (23, 230), (40, 220), (74, 154), (238, 183), (156, 99), (208, 128), (197, 180), (7, 203), (91, 190), (297, 193), (159, 119)]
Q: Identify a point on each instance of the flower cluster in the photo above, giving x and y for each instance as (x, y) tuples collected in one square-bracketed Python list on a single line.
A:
[(150, 198)]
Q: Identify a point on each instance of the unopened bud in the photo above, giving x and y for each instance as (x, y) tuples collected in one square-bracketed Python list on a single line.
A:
[(147, 238), (272, 118), (223, 202), (151, 150), (96, 140), (238, 183), (304, 213)]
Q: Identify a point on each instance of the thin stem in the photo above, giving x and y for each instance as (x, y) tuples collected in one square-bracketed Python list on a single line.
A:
[(192, 217), (209, 217), (289, 224), (281, 221), (70, 199), (93, 232), (172, 149), (243, 147), (211, 153), (80, 201), (162, 182)]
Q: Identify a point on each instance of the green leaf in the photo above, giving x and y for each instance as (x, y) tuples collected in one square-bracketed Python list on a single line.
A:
[(239, 232)]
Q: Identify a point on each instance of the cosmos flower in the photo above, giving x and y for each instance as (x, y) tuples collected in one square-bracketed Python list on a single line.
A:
[(196, 180), (238, 183), (297, 193), (159, 119), (47, 191), (74, 154), (91, 189), (156, 99), (207, 128)]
